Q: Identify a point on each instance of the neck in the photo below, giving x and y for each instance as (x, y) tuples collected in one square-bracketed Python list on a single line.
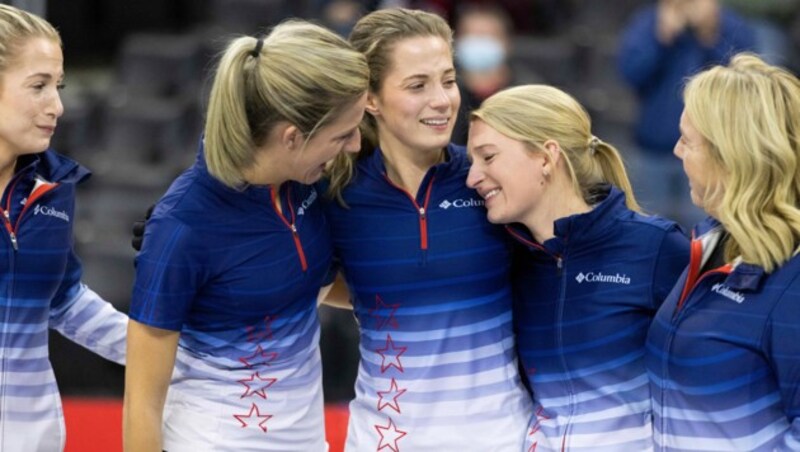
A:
[(560, 201), (407, 168), (7, 167)]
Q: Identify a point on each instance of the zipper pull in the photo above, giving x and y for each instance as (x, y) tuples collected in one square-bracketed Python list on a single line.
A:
[(559, 264), (11, 230), (422, 212), (294, 228)]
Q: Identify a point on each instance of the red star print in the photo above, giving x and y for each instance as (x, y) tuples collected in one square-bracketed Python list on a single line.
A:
[(394, 355), (250, 360), (254, 409), (379, 319), (393, 435), (393, 389), (262, 384), (254, 334)]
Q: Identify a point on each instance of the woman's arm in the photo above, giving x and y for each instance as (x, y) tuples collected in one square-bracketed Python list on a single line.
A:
[(150, 360), (336, 294)]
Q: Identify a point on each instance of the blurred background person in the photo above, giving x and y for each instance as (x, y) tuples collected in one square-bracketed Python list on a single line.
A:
[(483, 39), (723, 352), (661, 46)]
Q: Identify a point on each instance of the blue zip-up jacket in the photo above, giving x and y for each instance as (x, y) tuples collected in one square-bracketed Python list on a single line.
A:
[(658, 72), (40, 288), (585, 299), (723, 355), (429, 278), (239, 280)]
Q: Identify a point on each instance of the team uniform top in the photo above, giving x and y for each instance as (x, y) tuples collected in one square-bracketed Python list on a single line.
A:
[(239, 280), (585, 300), (40, 283), (429, 277), (723, 355)]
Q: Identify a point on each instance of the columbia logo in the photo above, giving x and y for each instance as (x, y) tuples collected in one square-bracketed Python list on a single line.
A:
[(50, 212), (459, 203), (728, 293), (598, 277)]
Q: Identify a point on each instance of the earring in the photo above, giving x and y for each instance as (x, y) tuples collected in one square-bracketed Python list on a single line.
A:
[(546, 172)]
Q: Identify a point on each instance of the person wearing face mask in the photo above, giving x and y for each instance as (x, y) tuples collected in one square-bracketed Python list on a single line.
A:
[(482, 47)]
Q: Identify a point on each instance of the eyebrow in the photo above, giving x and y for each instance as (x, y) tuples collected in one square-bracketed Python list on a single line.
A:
[(426, 76)]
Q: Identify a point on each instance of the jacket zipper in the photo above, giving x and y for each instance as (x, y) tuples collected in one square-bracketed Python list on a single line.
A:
[(421, 210), (12, 232), (292, 225)]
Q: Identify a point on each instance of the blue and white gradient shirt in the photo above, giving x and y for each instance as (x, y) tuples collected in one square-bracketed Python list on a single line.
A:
[(40, 288), (429, 277), (239, 280), (585, 299), (723, 355)]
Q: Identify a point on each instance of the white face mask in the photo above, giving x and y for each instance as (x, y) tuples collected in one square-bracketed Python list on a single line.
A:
[(479, 53)]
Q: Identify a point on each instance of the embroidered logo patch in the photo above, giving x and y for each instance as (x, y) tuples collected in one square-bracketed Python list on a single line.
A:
[(460, 203), (726, 292), (602, 278), (50, 212)]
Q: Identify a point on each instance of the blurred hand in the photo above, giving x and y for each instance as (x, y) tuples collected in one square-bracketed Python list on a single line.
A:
[(138, 229), (671, 20), (703, 18)]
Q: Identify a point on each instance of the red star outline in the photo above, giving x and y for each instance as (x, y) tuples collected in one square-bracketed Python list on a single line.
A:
[(261, 391), (396, 362), (249, 360), (398, 434), (397, 393), (254, 408), (379, 319), (254, 335)]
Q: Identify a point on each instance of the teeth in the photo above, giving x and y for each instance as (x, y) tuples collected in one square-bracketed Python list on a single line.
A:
[(491, 193), (434, 122)]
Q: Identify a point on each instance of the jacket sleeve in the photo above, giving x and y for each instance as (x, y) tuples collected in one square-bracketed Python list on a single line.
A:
[(673, 257), (641, 55), (782, 348), (88, 320)]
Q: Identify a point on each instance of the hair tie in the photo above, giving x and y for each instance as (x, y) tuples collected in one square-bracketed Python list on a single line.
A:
[(593, 145), (259, 45)]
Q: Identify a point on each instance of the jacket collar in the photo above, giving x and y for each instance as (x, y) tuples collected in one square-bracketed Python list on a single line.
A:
[(579, 228)]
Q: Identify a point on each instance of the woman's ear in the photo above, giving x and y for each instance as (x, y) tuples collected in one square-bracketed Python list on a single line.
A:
[(291, 137), (553, 150), (372, 105)]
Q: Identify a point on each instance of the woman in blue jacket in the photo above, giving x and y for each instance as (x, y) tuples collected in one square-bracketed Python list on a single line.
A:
[(428, 275), (40, 275), (594, 273), (224, 335), (723, 352)]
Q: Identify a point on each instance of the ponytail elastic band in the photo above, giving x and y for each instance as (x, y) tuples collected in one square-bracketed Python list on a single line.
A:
[(593, 145), (259, 45)]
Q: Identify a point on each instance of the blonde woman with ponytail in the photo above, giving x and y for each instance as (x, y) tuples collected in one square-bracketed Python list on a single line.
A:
[(223, 342), (591, 273), (724, 349)]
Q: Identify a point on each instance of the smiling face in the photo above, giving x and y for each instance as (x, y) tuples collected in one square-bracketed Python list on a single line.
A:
[(506, 173), (692, 149), (341, 135), (418, 100), (30, 104)]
